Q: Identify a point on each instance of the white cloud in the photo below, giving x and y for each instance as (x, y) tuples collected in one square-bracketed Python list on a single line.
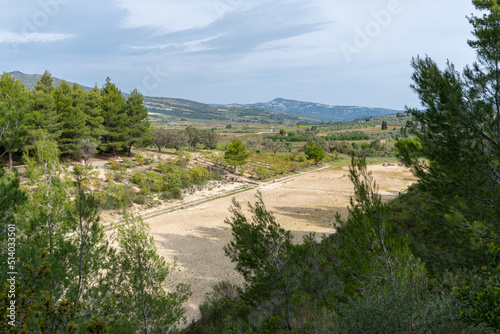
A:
[(188, 46), (169, 16), (22, 38)]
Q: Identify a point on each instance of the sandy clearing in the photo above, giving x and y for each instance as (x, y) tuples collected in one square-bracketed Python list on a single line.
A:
[(304, 203)]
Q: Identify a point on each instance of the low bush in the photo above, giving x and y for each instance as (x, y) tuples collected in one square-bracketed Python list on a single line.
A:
[(174, 193), (139, 158), (140, 199), (115, 197), (262, 173), (115, 164), (138, 178), (127, 163)]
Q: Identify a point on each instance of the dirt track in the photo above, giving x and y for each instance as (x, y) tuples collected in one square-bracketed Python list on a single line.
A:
[(304, 203)]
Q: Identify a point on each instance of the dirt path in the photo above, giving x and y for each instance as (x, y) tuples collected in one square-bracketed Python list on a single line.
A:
[(304, 203)]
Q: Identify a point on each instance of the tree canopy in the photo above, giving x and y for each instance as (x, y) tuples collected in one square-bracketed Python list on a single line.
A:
[(236, 153), (70, 115)]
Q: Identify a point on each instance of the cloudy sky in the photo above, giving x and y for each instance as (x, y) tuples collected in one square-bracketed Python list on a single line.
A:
[(338, 52)]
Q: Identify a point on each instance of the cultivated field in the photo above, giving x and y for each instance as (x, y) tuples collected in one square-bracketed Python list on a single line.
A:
[(307, 202)]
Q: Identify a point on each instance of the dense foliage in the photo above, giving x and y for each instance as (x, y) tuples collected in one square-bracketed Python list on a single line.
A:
[(63, 272), (428, 262), (236, 153), (79, 121)]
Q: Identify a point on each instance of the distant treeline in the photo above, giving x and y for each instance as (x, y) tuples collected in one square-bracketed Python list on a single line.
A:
[(293, 137)]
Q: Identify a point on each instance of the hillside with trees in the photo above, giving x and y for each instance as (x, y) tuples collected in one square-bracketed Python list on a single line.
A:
[(171, 109), (279, 110), (426, 262), (78, 120)]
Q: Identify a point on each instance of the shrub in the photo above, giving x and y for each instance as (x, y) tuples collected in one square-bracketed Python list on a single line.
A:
[(115, 164), (402, 305), (115, 197), (127, 163), (172, 180), (100, 196), (300, 157), (138, 178), (262, 173), (174, 193), (152, 176), (198, 175), (158, 185), (109, 177), (118, 177), (183, 159), (164, 168), (140, 199), (139, 158), (96, 183), (219, 302), (144, 190)]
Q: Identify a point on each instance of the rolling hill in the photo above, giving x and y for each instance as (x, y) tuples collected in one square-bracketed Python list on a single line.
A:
[(322, 112), (172, 109), (189, 110), (163, 109), (30, 80)]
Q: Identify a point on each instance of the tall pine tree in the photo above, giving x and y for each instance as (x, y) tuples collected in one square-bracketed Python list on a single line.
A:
[(114, 114), (458, 133), (94, 116), (13, 105), (42, 115), (138, 123), (69, 104)]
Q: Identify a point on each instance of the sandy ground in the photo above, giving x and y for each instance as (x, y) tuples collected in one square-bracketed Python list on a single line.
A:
[(195, 236)]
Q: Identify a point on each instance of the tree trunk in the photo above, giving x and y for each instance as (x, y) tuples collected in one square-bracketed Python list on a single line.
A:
[(10, 160), (130, 150), (287, 298)]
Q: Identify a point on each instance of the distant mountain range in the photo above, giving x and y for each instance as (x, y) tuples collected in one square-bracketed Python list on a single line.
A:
[(321, 112), (180, 109), (279, 109)]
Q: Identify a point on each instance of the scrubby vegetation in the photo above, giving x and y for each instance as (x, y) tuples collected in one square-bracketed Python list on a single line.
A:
[(67, 274), (145, 181), (428, 262)]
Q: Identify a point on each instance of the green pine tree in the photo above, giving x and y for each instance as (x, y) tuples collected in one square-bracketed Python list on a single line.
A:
[(138, 124), (42, 114), (69, 104), (265, 255), (458, 134), (368, 245), (113, 112), (64, 259), (13, 106), (236, 153), (94, 116), (142, 300), (314, 151)]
